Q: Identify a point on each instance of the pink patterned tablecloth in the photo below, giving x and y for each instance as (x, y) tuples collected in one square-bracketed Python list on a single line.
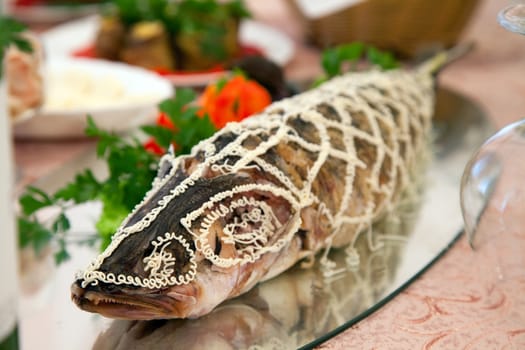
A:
[(467, 300)]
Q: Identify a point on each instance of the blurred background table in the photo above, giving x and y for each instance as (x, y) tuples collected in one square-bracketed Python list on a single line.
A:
[(462, 301), (488, 75)]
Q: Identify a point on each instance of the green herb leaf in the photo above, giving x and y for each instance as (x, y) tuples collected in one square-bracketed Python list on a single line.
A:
[(221, 83), (237, 9), (174, 106), (334, 60), (106, 140), (190, 128), (202, 128), (331, 62), (352, 51), (113, 214), (84, 188), (61, 255), (133, 11), (383, 59), (162, 135), (61, 223), (33, 200), (31, 232)]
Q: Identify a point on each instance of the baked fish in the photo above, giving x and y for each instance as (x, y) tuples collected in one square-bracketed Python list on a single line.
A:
[(309, 173)]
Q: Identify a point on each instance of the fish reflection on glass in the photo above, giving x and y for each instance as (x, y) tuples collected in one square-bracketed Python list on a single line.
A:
[(308, 174), (285, 312)]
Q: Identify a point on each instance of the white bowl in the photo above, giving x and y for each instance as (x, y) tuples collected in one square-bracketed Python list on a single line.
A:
[(118, 96)]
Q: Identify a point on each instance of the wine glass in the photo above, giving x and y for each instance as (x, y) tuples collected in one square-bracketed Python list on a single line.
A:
[(492, 186), (492, 190)]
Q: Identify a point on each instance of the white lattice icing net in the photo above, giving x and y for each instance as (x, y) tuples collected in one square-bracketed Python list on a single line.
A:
[(334, 159)]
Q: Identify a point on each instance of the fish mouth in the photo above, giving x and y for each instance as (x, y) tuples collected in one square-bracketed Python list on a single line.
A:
[(121, 305)]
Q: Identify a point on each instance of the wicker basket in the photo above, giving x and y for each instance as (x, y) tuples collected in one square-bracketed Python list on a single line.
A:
[(406, 27)]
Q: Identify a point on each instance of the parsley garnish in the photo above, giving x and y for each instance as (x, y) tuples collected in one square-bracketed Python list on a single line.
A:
[(339, 59), (190, 127), (34, 233)]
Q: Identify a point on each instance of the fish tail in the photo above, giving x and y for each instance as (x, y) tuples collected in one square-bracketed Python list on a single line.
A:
[(442, 59)]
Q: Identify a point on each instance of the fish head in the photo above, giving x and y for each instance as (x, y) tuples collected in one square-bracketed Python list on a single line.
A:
[(184, 248)]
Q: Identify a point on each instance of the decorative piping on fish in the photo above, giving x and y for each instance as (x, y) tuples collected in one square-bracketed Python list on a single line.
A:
[(261, 215), (347, 95), (159, 263)]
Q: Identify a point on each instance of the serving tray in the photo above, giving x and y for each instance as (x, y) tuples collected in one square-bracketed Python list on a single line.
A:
[(300, 308)]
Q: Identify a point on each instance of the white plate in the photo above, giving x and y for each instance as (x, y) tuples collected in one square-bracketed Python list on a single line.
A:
[(66, 38), (136, 93)]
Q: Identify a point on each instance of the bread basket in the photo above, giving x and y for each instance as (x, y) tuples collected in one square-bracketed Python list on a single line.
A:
[(406, 27)]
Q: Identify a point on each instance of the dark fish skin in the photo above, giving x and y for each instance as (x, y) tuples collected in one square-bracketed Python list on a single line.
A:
[(309, 173), (135, 246)]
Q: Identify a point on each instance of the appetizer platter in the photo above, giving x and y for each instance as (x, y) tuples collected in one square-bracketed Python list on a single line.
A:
[(268, 41), (242, 230)]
